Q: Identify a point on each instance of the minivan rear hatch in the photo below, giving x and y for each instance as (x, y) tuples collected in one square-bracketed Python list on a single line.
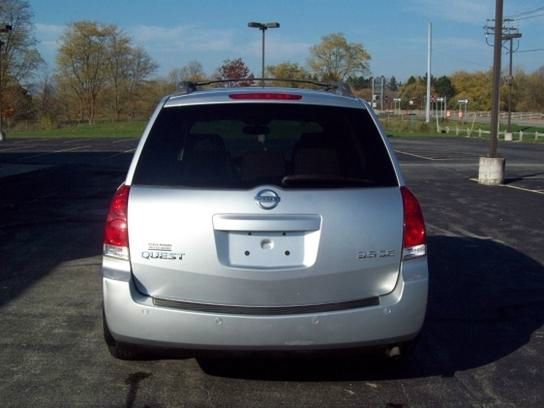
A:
[(264, 205)]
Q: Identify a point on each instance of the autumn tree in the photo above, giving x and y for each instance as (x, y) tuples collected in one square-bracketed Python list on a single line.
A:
[(234, 69), (19, 57), (414, 90), (287, 70), (474, 86), (335, 59)]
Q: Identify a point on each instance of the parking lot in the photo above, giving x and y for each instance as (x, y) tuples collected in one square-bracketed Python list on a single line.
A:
[(482, 343)]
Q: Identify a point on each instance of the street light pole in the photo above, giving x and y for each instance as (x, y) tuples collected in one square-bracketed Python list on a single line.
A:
[(429, 51), (262, 60), (5, 29), (263, 27)]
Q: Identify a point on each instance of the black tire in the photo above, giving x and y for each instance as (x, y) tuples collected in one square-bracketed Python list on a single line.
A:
[(118, 350)]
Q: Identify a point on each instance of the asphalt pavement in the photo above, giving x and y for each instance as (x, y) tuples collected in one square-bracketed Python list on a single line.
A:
[(482, 342)]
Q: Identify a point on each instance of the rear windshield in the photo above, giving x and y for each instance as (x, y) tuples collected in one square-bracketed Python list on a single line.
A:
[(242, 146)]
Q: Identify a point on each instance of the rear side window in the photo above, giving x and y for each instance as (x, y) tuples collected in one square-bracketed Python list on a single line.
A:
[(242, 146)]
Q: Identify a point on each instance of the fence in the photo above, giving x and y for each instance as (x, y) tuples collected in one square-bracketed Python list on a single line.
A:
[(471, 132), (472, 115), (515, 115)]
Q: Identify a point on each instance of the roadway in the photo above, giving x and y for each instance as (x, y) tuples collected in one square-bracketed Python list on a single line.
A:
[(482, 343)]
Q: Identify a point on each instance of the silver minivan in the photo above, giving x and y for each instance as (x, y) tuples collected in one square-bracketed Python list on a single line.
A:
[(263, 219)]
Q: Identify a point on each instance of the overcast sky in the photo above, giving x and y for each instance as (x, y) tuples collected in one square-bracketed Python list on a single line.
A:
[(393, 31)]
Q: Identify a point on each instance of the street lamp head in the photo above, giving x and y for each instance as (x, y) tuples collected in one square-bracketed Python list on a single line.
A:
[(263, 26)]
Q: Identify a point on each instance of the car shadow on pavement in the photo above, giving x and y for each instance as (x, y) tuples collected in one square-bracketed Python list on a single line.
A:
[(53, 215), (485, 301)]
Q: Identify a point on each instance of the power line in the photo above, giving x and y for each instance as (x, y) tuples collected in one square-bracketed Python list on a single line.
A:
[(524, 13), (529, 17), (532, 50)]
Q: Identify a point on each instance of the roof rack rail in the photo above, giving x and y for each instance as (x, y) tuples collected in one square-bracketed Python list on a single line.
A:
[(339, 87)]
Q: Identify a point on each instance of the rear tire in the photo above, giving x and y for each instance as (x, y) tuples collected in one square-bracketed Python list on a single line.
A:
[(118, 350)]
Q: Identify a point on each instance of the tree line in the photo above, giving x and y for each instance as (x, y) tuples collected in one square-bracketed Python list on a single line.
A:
[(101, 74), (527, 90)]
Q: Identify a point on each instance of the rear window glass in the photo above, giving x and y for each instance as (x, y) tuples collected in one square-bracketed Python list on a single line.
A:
[(247, 145)]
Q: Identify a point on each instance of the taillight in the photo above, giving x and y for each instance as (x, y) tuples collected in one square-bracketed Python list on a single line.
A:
[(266, 96), (414, 240), (116, 231)]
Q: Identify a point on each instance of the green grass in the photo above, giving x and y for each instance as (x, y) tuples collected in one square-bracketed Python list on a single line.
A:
[(409, 127), (394, 126), (84, 130)]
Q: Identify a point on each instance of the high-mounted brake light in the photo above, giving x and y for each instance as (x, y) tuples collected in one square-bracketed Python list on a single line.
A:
[(116, 231), (266, 96), (414, 240)]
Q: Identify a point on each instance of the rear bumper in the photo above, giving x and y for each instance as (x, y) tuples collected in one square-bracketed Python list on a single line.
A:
[(133, 318)]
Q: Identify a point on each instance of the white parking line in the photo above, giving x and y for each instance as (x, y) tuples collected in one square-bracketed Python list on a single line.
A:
[(523, 189), (415, 155), (14, 148), (118, 154), (515, 187), (461, 232), (56, 151), (456, 156)]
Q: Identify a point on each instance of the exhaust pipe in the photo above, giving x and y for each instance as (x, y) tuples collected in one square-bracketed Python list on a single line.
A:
[(393, 352)]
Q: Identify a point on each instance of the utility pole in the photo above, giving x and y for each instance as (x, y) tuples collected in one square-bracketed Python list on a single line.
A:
[(429, 46), (6, 28), (491, 168), (495, 92), (508, 33)]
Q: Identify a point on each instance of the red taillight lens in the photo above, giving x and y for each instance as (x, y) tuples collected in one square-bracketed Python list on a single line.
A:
[(116, 231), (414, 225), (266, 96)]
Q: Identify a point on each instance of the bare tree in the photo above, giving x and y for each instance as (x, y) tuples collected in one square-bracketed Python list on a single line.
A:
[(140, 67), (192, 71), (119, 50), (82, 61), (19, 57)]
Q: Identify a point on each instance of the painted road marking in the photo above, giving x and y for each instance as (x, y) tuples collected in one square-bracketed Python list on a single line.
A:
[(514, 187), (414, 155), (441, 156), (55, 151), (523, 189), (14, 148)]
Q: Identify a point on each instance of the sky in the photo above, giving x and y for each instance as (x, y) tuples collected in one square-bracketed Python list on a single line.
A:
[(394, 32)]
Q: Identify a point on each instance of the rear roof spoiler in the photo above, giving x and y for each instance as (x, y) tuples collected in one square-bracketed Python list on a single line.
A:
[(338, 88)]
